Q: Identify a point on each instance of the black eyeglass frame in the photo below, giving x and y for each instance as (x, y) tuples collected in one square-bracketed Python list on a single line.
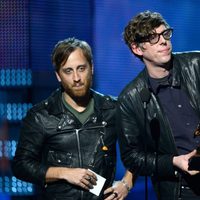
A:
[(147, 38)]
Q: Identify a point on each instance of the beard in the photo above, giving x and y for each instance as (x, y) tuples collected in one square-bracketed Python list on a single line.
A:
[(78, 91)]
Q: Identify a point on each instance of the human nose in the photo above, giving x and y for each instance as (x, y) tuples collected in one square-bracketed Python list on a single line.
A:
[(162, 39), (76, 76)]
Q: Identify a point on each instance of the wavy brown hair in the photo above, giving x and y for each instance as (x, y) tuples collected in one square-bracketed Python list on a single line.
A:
[(142, 25), (64, 48)]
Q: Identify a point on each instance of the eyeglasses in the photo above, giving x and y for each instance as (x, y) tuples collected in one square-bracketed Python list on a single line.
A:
[(155, 37)]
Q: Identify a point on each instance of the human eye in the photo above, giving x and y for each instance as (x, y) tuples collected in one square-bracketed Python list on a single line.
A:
[(167, 33), (82, 68), (67, 70), (153, 37)]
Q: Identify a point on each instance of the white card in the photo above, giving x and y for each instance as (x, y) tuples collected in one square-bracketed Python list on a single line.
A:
[(100, 183)]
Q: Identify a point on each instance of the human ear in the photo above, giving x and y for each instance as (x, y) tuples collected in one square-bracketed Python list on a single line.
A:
[(58, 77), (92, 69), (136, 49)]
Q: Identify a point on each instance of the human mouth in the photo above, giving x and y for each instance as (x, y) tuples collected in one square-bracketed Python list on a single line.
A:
[(165, 51), (78, 85)]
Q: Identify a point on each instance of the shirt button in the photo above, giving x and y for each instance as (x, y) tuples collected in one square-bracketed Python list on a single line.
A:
[(179, 106), (187, 123)]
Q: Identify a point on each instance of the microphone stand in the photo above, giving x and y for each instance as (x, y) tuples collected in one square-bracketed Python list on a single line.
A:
[(145, 96), (145, 150), (155, 133)]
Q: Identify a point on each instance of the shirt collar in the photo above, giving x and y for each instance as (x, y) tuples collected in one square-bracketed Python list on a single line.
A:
[(157, 83)]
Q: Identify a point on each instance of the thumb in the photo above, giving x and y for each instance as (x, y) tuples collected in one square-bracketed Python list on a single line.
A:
[(192, 153), (108, 190)]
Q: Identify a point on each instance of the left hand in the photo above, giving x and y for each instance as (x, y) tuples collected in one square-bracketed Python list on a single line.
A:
[(182, 162), (117, 192)]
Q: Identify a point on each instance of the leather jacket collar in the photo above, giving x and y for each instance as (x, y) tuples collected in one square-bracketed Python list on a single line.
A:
[(56, 99)]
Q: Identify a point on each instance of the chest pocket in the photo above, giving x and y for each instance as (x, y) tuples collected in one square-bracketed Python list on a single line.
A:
[(56, 158)]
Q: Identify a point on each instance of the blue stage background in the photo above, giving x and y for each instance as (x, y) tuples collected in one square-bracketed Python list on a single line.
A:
[(29, 31)]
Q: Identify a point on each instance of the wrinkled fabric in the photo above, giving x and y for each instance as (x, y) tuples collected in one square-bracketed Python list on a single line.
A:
[(52, 136), (135, 130)]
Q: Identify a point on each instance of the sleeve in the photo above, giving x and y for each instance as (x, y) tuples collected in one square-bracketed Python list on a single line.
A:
[(27, 163), (132, 140)]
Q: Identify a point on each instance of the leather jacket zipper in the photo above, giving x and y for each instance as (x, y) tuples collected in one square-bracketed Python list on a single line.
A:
[(79, 150), (78, 143), (100, 141), (102, 125), (79, 153)]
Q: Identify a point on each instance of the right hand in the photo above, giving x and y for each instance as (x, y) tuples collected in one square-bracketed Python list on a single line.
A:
[(117, 188), (80, 177), (182, 162)]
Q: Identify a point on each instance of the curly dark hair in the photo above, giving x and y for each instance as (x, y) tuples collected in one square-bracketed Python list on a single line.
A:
[(141, 26), (64, 48)]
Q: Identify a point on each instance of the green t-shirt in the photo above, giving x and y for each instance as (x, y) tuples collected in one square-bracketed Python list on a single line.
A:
[(81, 116)]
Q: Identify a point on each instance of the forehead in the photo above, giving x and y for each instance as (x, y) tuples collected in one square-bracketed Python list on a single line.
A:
[(76, 58), (160, 29)]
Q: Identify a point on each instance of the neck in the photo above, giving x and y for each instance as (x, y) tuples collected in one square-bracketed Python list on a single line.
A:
[(158, 72)]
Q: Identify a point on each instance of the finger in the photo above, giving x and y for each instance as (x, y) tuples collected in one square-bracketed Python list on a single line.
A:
[(192, 172), (112, 196), (192, 153), (87, 177), (89, 173), (92, 180), (115, 195), (87, 183), (109, 190), (84, 186)]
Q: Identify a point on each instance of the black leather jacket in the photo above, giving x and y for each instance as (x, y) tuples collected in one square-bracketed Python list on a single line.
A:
[(52, 136), (185, 73)]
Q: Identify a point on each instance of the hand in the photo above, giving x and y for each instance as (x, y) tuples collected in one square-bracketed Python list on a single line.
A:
[(80, 177), (117, 192), (182, 162)]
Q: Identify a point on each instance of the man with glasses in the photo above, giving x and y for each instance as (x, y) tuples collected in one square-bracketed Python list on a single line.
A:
[(160, 109)]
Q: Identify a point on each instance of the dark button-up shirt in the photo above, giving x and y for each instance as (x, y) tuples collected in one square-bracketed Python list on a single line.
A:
[(182, 117)]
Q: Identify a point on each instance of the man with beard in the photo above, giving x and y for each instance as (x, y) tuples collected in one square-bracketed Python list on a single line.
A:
[(69, 139)]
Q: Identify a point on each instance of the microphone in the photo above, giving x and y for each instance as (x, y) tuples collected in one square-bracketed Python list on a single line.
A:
[(145, 96), (155, 129), (155, 133)]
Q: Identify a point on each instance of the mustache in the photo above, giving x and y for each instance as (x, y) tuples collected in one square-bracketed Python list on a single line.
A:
[(77, 84)]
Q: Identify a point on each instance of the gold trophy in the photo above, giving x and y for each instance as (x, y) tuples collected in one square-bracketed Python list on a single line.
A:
[(194, 162)]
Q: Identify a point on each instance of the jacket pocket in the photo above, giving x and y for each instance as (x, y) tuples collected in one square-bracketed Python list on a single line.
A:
[(56, 158)]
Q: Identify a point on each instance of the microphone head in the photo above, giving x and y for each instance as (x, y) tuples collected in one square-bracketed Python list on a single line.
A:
[(145, 95)]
